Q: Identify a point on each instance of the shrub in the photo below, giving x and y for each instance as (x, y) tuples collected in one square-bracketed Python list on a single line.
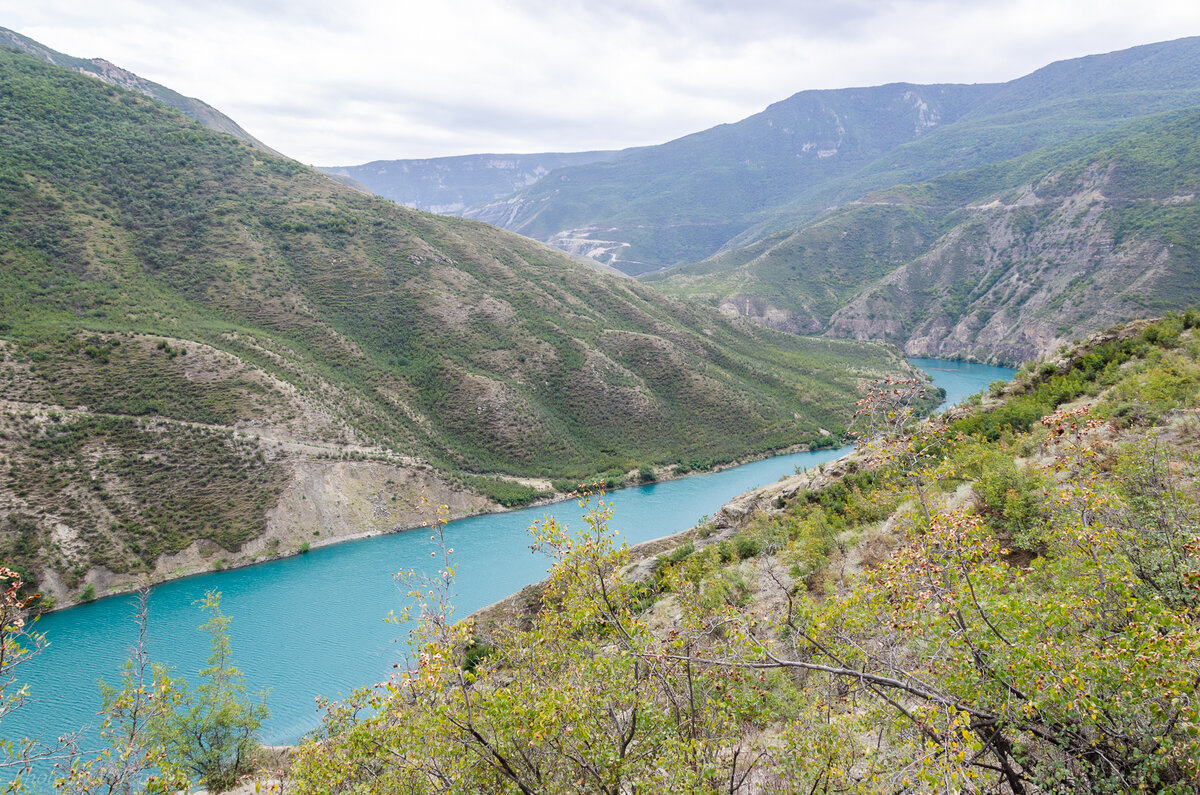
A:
[(210, 731), (508, 493), (747, 547), (476, 652), (682, 553), (1013, 502)]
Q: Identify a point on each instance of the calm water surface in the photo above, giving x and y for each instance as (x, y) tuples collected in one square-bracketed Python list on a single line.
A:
[(314, 624)]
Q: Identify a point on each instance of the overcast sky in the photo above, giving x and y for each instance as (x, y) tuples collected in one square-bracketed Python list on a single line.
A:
[(340, 82)]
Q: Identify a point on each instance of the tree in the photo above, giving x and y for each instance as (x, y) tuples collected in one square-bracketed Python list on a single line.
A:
[(210, 731), (582, 701), (135, 759), (19, 644)]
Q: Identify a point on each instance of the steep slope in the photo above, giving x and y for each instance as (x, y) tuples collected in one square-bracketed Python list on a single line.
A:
[(1057, 103), (452, 184), (1001, 600), (735, 184), (683, 200), (112, 74), (164, 288), (1001, 263)]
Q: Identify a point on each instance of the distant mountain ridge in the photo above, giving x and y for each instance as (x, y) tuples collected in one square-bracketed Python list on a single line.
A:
[(449, 185), (114, 75), (683, 200), (210, 354), (731, 185), (1001, 263)]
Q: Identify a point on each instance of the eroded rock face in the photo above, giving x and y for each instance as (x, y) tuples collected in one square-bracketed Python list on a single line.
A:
[(1014, 281), (328, 501), (762, 311), (310, 480), (1003, 280), (324, 502)]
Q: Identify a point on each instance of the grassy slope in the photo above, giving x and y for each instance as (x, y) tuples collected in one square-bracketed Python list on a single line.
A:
[(119, 215), (193, 108), (1135, 169), (128, 233), (1033, 628)]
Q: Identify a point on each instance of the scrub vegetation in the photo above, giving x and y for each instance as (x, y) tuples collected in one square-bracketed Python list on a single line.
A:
[(1001, 600), (991, 262), (184, 316)]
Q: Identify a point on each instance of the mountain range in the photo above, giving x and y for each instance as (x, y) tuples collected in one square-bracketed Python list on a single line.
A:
[(180, 304), (450, 185), (688, 199), (212, 354), (1001, 263), (889, 212)]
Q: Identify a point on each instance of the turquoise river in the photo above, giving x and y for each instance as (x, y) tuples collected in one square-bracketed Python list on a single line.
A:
[(315, 624)]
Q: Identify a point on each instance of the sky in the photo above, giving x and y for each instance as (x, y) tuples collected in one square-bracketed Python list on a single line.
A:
[(342, 82)]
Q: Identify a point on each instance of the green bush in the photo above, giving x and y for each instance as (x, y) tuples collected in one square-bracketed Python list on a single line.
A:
[(747, 547), (682, 553), (508, 493), (476, 652), (1013, 502)]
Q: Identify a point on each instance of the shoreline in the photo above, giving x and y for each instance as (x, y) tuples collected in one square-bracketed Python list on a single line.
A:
[(559, 497), (662, 475)]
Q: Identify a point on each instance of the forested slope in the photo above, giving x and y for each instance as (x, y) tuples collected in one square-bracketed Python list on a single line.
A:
[(999, 263), (1001, 600), (157, 279)]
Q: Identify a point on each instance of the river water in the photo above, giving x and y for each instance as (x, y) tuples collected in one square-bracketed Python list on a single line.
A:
[(315, 624)]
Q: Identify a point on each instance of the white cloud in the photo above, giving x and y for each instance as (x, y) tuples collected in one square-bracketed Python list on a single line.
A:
[(362, 80)]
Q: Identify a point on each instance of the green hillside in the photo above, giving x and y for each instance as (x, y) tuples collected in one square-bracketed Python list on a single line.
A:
[(1000, 262), (1002, 600), (160, 282), (735, 184), (114, 75)]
